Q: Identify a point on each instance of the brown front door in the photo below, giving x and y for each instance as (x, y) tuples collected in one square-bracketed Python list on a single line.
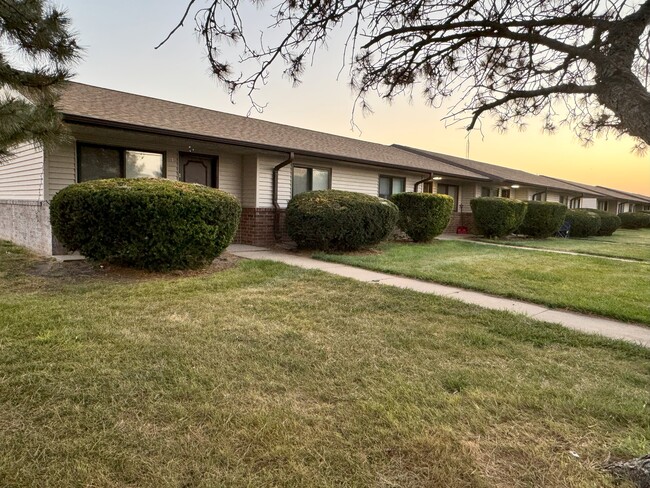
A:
[(199, 169)]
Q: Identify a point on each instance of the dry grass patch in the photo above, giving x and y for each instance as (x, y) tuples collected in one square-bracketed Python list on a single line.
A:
[(267, 375)]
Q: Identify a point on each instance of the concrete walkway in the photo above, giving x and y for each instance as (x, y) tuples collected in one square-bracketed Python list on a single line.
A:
[(584, 323)]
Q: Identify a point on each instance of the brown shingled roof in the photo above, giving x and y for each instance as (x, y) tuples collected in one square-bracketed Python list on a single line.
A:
[(607, 192), (93, 105), (635, 197), (500, 173)]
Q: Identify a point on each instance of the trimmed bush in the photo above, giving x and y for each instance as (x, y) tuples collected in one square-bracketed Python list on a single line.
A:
[(423, 216), (609, 222), (334, 220), (634, 220), (542, 219), (497, 217), (146, 223), (584, 223)]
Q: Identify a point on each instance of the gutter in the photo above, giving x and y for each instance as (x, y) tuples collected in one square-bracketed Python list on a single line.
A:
[(276, 206), (423, 180)]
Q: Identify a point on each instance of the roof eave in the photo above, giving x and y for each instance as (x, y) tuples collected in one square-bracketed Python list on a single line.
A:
[(97, 122)]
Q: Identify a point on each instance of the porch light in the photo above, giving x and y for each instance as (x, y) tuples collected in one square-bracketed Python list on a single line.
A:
[(437, 178), (514, 186)]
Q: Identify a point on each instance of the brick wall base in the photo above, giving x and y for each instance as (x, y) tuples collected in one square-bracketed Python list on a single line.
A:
[(457, 219), (256, 227)]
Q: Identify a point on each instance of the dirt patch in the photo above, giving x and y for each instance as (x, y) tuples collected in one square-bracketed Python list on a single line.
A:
[(73, 271)]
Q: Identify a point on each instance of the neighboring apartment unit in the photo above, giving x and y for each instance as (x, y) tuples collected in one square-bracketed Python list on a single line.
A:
[(263, 164)]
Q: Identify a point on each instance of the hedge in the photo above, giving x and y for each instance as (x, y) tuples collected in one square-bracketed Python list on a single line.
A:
[(146, 223), (497, 217), (634, 220), (334, 220), (423, 216), (542, 219), (609, 222), (584, 223)]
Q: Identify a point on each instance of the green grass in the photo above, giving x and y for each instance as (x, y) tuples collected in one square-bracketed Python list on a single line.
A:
[(267, 375), (583, 283), (624, 243)]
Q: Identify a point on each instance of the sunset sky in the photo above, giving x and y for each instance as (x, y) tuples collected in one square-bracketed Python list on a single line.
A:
[(119, 38)]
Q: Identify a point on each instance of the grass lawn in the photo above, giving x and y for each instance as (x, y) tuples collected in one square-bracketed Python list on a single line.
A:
[(267, 375), (624, 243), (587, 284)]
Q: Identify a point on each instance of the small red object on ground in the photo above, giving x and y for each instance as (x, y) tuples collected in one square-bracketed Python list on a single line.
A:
[(461, 229)]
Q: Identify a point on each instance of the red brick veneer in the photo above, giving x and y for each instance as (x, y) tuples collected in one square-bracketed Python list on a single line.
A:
[(256, 227)]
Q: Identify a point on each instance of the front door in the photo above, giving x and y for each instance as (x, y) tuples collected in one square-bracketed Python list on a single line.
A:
[(199, 169)]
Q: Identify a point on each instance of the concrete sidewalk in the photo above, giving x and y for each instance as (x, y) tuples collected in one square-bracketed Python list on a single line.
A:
[(584, 323)]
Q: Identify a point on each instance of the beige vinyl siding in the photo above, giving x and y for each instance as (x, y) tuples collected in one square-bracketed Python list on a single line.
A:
[(249, 181), (468, 191), (230, 174), (61, 164), (588, 203), (522, 193), (552, 196), (361, 180), (21, 176)]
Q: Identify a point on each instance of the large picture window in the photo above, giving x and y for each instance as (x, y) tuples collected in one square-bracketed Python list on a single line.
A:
[(310, 179), (389, 185), (99, 162), (452, 191)]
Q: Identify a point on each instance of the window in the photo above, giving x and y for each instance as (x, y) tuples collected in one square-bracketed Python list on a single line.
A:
[(574, 203), (452, 191), (563, 199), (389, 185), (487, 191), (428, 187), (98, 162), (603, 205), (310, 179)]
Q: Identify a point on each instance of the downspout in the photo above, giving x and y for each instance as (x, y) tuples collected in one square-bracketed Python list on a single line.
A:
[(424, 180), (276, 206), (539, 193)]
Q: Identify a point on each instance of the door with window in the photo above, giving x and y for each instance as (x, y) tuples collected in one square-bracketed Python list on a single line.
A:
[(199, 169), (451, 190)]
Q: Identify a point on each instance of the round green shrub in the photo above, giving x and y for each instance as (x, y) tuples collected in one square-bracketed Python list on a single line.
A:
[(423, 216), (542, 219), (497, 217), (146, 223), (634, 220), (584, 223), (334, 220), (609, 222)]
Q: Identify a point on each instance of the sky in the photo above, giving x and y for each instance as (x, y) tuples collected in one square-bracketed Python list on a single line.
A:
[(119, 39)]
